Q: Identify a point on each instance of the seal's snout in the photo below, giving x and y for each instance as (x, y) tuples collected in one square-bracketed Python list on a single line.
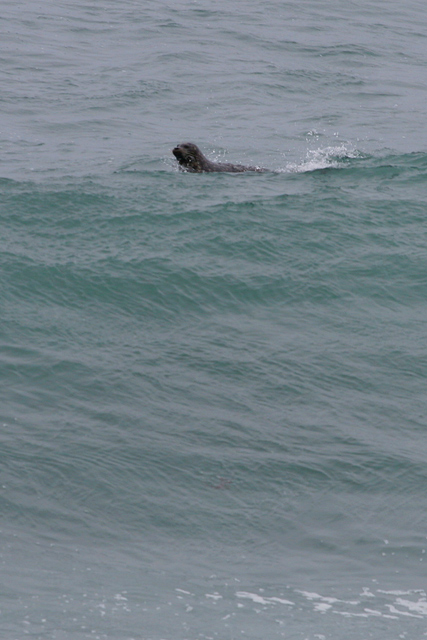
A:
[(177, 152)]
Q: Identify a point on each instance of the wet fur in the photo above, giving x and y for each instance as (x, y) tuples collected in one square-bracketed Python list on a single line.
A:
[(191, 159)]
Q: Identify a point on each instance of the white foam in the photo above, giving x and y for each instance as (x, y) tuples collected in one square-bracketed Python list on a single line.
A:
[(393, 609), (252, 596), (415, 608), (324, 158), (260, 600), (323, 607), (316, 596), (373, 612), (403, 593), (273, 599), (419, 607)]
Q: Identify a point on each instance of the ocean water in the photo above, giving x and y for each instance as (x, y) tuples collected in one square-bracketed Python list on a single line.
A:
[(213, 387)]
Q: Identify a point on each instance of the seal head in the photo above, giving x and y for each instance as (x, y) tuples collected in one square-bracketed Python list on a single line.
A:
[(191, 159)]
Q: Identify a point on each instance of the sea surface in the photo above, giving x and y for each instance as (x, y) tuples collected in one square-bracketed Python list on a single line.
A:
[(213, 416)]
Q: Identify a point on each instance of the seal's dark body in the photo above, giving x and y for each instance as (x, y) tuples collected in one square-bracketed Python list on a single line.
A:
[(191, 159)]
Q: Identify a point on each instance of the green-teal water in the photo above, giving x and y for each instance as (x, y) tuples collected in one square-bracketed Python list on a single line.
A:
[(213, 416)]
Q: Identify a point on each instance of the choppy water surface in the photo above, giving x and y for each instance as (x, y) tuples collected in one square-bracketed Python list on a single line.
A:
[(213, 407)]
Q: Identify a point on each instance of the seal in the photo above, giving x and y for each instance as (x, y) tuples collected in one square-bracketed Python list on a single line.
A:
[(191, 159)]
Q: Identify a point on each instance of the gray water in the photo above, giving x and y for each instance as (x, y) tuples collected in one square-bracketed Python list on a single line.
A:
[(213, 416)]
